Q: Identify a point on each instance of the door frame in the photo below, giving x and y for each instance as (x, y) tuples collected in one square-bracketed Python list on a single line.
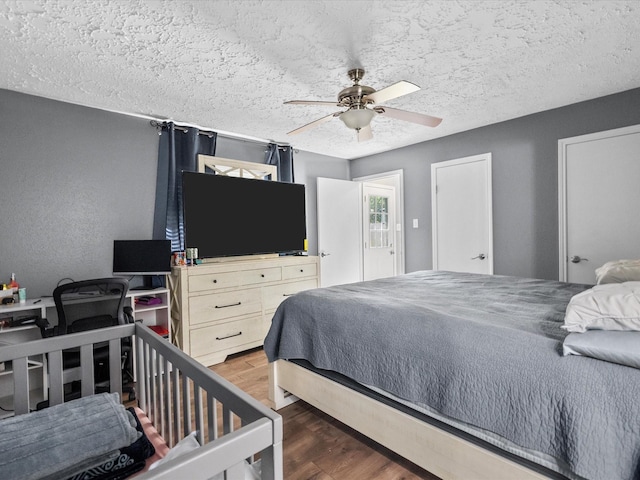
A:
[(484, 158), (563, 145), (396, 179)]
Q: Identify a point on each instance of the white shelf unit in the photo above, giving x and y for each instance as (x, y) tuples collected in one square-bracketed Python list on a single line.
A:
[(157, 315)]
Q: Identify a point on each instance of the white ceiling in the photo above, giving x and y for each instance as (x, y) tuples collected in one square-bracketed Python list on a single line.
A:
[(230, 65)]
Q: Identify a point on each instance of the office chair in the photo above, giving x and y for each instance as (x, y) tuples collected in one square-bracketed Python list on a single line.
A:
[(89, 305)]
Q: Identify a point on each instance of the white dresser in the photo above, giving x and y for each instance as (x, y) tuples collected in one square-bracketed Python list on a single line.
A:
[(226, 307)]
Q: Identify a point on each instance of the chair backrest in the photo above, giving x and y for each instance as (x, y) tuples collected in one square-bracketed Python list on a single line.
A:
[(90, 304)]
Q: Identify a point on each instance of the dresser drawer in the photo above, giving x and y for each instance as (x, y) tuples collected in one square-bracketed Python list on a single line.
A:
[(275, 294), (222, 306), (239, 278), (290, 272), (213, 281), (226, 335), (264, 275)]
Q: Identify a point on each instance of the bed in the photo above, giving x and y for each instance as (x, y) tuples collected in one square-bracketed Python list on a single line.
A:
[(204, 426), (463, 374)]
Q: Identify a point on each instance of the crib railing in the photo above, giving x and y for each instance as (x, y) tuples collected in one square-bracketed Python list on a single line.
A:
[(178, 394), (50, 351)]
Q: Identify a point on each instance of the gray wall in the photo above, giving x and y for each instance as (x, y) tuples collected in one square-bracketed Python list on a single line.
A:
[(73, 179), (525, 180)]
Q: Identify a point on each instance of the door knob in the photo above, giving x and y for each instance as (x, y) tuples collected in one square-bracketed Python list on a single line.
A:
[(578, 259), (481, 256), (322, 254)]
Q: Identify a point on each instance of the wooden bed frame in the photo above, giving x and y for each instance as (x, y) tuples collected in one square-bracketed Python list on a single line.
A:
[(437, 451), (178, 394)]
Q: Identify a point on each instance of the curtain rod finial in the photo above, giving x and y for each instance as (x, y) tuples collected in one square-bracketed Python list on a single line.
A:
[(157, 125)]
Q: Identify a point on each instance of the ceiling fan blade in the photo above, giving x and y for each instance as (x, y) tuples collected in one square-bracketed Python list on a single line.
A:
[(313, 124), (413, 117), (311, 102), (364, 133), (392, 91)]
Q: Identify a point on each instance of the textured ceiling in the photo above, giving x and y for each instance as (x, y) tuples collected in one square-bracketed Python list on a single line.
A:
[(230, 65)]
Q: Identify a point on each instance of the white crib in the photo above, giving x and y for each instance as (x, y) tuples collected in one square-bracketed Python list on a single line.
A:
[(178, 395)]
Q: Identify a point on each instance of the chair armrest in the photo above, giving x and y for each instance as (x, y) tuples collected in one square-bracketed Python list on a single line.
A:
[(128, 314), (46, 330)]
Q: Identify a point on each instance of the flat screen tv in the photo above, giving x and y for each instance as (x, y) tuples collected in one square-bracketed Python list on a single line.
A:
[(230, 216), (141, 257)]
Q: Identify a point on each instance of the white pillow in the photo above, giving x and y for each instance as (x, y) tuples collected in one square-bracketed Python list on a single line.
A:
[(618, 271), (613, 306), (615, 347)]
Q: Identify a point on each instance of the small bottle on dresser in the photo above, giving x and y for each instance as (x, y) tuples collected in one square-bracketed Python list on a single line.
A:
[(13, 284)]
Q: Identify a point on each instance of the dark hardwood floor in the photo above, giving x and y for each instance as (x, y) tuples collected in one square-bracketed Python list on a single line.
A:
[(315, 445)]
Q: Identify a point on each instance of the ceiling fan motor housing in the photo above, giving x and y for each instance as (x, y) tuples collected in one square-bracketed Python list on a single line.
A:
[(353, 96)]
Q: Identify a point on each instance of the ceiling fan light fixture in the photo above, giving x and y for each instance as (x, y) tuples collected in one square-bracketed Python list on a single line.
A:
[(357, 118), (362, 104)]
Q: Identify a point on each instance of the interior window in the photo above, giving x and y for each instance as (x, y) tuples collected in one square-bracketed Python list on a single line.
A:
[(378, 222)]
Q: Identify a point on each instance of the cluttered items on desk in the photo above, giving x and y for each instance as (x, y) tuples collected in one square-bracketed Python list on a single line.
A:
[(8, 290), (10, 322), (6, 296), (13, 285)]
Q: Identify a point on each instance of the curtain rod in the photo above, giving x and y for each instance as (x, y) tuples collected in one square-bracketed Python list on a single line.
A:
[(184, 128)]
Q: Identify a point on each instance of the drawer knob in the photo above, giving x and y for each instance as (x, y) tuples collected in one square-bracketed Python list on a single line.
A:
[(302, 270), (229, 336), (262, 275), (215, 281)]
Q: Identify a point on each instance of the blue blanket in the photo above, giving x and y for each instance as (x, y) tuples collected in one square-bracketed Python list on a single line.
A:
[(485, 350)]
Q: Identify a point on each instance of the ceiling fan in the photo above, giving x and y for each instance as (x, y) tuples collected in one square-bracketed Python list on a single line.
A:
[(361, 103)]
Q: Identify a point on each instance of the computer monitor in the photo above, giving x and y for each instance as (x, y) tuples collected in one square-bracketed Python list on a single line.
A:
[(142, 257)]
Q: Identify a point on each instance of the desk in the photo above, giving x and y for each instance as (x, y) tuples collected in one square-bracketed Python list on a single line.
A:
[(157, 314)]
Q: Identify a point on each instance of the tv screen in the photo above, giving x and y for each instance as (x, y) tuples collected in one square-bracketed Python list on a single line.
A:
[(141, 257), (228, 216)]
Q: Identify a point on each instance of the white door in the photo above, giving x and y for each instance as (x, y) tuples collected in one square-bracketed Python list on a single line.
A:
[(599, 177), (339, 231), (462, 218), (395, 179), (379, 231)]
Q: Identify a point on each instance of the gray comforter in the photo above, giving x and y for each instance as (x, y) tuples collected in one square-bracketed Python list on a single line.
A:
[(485, 350)]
